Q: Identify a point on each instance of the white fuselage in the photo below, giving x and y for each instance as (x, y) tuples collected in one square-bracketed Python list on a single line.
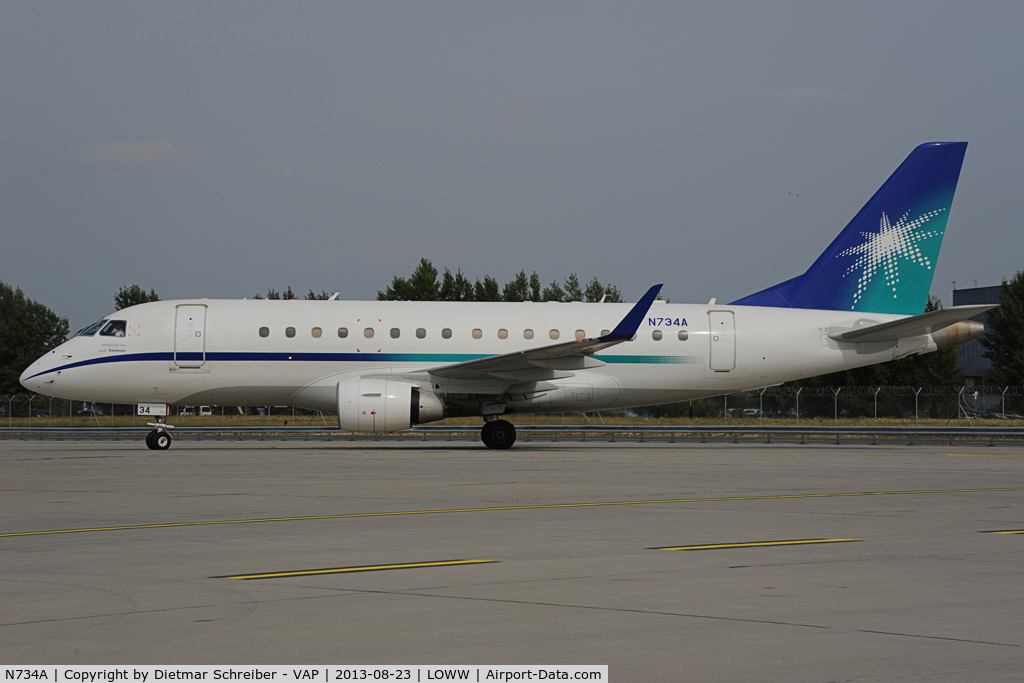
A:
[(211, 352)]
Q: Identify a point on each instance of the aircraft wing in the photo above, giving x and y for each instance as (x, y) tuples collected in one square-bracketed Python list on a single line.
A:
[(563, 356), (915, 326)]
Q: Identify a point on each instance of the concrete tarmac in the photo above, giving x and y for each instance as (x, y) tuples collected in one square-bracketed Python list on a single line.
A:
[(293, 554)]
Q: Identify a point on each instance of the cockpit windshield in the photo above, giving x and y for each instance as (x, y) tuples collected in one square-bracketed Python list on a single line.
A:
[(114, 328), (91, 330)]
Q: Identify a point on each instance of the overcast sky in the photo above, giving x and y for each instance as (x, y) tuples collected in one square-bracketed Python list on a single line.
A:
[(218, 149)]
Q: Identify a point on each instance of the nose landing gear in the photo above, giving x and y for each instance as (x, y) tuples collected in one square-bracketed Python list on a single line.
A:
[(159, 439), (498, 434)]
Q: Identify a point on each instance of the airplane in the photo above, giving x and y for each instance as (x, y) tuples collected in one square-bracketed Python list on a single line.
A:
[(384, 366)]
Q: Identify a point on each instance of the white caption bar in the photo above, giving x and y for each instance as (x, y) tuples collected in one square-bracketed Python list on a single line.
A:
[(417, 673)]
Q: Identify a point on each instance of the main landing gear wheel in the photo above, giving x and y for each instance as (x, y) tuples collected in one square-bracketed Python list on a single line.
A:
[(499, 434), (158, 440)]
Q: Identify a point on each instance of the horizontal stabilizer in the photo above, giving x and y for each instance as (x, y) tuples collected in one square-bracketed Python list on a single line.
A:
[(915, 326)]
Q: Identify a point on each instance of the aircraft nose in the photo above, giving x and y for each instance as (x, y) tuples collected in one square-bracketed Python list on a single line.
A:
[(26, 378), (25, 375)]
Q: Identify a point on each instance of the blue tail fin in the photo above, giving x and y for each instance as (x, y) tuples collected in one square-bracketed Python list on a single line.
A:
[(884, 260)]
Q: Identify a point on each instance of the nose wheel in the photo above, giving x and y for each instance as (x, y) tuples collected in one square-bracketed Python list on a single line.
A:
[(158, 440), (499, 434)]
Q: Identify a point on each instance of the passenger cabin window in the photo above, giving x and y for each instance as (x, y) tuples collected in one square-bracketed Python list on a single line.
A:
[(421, 333), (317, 333), (115, 328), (580, 334), (605, 333), (368, 333), (527, 334), (395, 333), (502, 334), (477, 333), (656, 335), (446, 333), (289, 332), (264, 331), (683, 335), (553, 334), (91, 330), (342, 332)]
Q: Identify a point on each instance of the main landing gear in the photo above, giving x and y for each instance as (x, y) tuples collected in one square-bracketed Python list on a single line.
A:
[(159, 439), (498, 434)]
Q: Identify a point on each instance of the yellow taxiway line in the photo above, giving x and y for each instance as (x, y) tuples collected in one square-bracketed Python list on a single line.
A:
[(353, 570), (507, 508), (759, 544)]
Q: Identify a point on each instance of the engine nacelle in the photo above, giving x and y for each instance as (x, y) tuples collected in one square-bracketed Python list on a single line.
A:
[(380, 405)]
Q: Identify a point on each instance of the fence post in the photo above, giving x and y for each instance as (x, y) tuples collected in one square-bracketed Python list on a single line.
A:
[(959, 406), (916, 394), (835, 405), (111, 414), (877, 389), (760, 409), (49, 413), (10, 409), (30, 398), (1005, 389), (725, 409), (798, 408)]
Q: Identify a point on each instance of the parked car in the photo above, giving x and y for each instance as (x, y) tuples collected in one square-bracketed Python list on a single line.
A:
[(205, 411)]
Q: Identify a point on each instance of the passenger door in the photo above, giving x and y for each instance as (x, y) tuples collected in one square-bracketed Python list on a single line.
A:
[(723, 340), (190, 336)]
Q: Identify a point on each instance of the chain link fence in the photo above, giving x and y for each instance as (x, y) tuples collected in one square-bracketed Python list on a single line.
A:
[(843, 406)]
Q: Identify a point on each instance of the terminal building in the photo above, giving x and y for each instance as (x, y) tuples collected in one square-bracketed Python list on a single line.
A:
[(973, 365)]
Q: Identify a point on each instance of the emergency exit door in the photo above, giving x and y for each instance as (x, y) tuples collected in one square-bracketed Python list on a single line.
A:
[(190, 336), (723, 340)]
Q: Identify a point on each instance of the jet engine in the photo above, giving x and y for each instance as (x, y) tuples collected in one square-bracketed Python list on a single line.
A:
[(380, 405)]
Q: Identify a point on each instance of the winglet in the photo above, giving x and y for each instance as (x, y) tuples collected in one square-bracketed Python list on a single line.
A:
[(628, 326)]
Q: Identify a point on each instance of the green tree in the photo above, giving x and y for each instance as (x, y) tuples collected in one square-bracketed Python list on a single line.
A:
[(553, 292), (455, 287), (28, 329), (322, 296), (488, 290), (1005, 325), (518, 288), (535, 287), (595, 290), (274, 295), (133, 296), (422, 285), (573, 292)]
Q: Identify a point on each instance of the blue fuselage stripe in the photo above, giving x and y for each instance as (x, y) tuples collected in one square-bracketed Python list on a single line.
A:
[(369, 358)]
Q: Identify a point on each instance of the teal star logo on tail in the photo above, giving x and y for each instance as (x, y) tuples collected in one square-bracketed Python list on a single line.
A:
[(885, 250)]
